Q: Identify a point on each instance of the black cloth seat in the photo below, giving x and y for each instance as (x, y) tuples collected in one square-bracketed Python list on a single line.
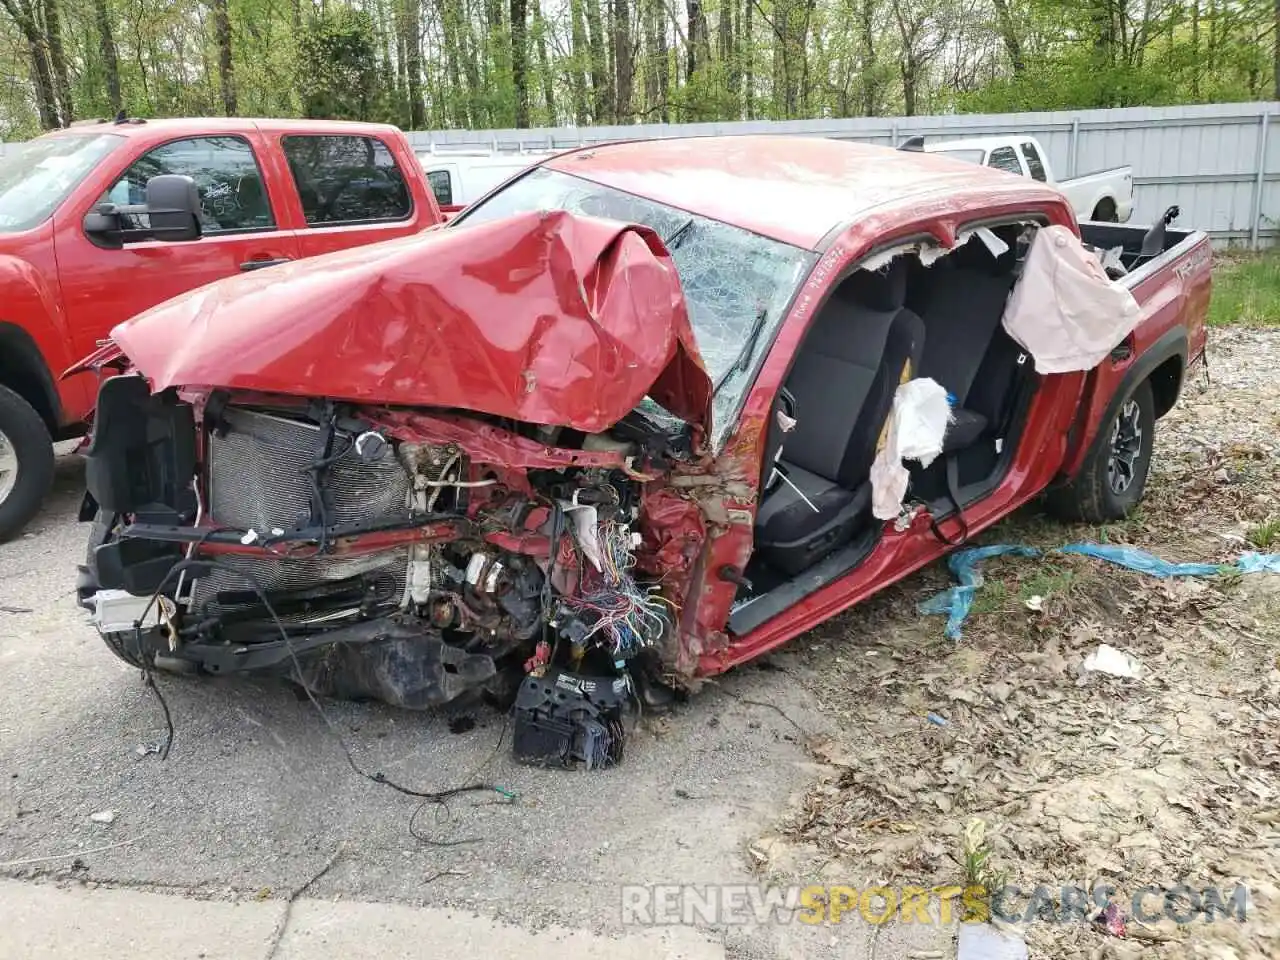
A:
[(966, 427), (843, 380), (966, 348)]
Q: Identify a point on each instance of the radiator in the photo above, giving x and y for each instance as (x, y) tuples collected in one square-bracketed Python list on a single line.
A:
[(257, 480)]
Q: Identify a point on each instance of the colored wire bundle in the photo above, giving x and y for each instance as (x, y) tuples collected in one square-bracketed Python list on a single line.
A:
[(624, 616)]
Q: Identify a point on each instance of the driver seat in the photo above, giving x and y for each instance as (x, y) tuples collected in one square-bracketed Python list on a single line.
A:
[(862, 345)]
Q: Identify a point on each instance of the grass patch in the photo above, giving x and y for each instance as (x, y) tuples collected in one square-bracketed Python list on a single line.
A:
[(1265, 535), (1246, 291), (1051, 581)]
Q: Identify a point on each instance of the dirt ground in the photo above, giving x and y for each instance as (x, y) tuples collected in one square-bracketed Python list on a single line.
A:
[(1070, 778)]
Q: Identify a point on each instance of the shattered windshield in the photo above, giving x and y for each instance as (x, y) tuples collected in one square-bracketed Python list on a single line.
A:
[(36, 176), (737, 284)]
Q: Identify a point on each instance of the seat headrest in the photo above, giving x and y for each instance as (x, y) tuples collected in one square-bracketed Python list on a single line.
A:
[(883, 289)]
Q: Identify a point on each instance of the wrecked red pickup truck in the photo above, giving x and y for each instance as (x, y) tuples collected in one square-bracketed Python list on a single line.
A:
[(614, 429)]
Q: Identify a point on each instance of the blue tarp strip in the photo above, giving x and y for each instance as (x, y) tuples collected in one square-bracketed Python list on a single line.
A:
[(957, 601)]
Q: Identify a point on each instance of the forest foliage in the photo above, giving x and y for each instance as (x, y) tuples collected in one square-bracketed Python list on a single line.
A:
[(433, 64)]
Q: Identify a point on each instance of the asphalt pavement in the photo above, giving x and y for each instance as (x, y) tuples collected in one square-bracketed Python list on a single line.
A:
[(256, 798)]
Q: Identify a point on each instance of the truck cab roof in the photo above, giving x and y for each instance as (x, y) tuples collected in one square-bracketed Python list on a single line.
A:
[(799, 190), (165, 129)]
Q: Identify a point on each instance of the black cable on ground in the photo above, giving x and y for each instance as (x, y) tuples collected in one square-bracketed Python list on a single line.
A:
[(427, 796), (150, 680)]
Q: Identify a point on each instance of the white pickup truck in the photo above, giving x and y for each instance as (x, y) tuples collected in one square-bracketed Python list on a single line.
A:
[(1106, 195), (458, 179)]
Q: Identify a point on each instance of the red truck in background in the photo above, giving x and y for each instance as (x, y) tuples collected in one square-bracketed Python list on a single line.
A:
[(71, 267)]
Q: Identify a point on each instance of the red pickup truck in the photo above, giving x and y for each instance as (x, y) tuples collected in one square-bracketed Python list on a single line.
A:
[(614, 429), (268, 191)]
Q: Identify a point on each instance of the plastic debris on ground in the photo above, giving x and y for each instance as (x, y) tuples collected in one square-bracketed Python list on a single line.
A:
[(1259, 563), (980, 941), (1143, 562), (917, 424), (956, 602), (1107, 659), (1111, 920)]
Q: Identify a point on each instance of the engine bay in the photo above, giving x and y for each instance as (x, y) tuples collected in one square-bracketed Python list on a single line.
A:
[(410, 557)]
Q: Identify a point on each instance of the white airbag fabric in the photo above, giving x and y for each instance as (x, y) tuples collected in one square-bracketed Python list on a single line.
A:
[(916, 427), (1065, 311)]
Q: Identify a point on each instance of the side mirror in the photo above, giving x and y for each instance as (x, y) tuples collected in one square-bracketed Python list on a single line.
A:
[(173, 207), (172, 214)]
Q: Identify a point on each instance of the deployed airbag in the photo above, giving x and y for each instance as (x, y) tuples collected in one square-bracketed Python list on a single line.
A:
[(916, 428), (1065, 311)]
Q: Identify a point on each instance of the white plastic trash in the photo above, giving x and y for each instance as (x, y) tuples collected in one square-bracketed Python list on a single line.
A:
[(1116, 663), (981, 941)]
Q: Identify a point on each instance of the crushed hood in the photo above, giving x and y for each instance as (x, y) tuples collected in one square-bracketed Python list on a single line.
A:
[(547, 318)]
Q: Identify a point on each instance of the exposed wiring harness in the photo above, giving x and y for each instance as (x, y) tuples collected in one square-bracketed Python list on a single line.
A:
[(624, 617)]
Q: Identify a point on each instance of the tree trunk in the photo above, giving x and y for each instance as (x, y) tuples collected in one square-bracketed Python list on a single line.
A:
[(1195, 46), (870, 73), (110, 57), (623, 61), (24, 18), (58, 61), (520, 60), (908, 88), (544, 65), (411, 38), (42, 78), (226, 71), (1009, 34), (580, 56), (601, 94), (1275, 39), (748, 73), (699, 51)]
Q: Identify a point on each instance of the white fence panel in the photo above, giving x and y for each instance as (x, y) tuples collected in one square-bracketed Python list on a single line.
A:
[(1219, 162)]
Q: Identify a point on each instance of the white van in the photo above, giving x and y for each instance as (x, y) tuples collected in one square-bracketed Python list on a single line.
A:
[(458, 179)]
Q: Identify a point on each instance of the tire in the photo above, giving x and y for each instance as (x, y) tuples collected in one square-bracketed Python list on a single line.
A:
[(26, 462), (1113, 477), (1105, 211)]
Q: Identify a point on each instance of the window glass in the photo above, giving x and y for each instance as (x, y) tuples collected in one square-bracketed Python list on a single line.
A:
[(37, 176), (345, 179), (441, 186), (1003, 158), (968, 156), (232, 195), (1034, 163)]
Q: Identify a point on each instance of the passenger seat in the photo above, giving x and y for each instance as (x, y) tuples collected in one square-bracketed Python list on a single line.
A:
[(966, 349), (861, 346)]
